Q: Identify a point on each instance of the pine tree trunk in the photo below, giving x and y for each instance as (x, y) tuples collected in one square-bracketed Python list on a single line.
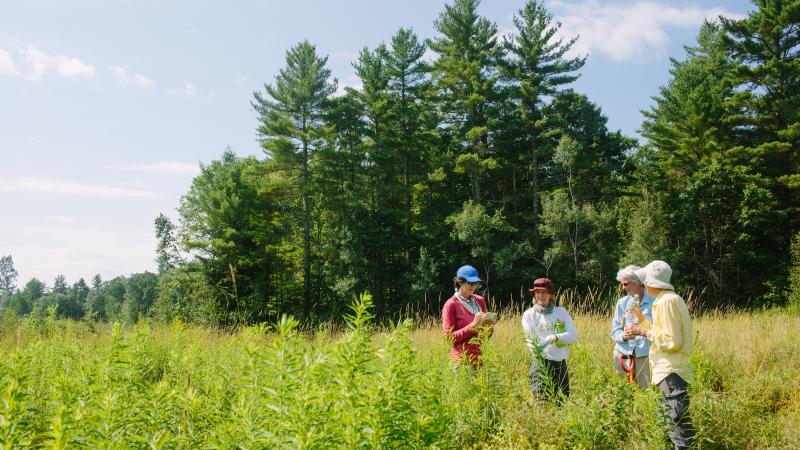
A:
[(306, 236), (535, 189)]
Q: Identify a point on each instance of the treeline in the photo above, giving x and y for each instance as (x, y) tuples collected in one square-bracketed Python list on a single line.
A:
[(483, 154), (120, 299)]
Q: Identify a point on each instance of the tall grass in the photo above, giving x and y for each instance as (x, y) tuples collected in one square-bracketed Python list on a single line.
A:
[(76, 385)]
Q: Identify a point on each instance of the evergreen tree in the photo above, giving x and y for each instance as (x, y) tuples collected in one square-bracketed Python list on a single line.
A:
[(95, 301), (80, 291), (8, 275), (794, 273), (691, 119), (465, 74), (292, 128), (536, 70), (767, 46), (597, 168), (724, 226), (59, 285), (229, 221), (22, 304), (167, 253)]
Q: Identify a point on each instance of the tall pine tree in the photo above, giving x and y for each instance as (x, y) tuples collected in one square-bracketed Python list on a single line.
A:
[(465, 74), (292, 129)]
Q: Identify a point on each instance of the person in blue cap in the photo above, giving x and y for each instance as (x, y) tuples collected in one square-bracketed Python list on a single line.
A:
[(464, 317)]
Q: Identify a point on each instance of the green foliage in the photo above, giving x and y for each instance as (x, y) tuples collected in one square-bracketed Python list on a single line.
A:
[(8, 276), (365, 188), (765, 45), (725, 227), (689, 122), (643, 228), (464, 76), (291, 131), (719, 164), (794, 273), (179, 386), (167, 251), (579, 235)]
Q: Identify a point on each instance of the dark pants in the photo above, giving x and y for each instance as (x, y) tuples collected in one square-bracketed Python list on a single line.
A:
[(551, 380), (676, 404)]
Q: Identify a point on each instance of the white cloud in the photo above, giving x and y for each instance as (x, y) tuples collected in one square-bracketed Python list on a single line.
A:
[(343, 56), (48, 249), (168, 168), (50, 186), (627, 32), (352, 81), (61, 219), (188, 90), (429, 56), (63, 65), (136, 79), (7, 66), (504, 33)]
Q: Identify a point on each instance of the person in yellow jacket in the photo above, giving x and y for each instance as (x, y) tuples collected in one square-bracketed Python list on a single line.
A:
[(671, 337)]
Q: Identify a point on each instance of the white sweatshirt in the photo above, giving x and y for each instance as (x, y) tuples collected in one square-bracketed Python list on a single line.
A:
[(539, 327)]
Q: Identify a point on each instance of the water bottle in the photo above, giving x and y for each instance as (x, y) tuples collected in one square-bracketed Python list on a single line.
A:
[(560, 327), (630, 317)]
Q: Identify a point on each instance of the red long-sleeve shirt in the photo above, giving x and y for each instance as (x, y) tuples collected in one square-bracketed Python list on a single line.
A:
[(457, 326)]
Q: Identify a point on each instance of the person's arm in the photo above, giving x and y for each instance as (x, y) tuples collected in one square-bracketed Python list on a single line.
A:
[(669, 337), (527, 331), (616, 324), (529, 328), (570, 336), (458, 336)]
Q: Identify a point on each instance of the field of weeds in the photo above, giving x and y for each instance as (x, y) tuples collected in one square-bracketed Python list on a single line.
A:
[(69, 384)]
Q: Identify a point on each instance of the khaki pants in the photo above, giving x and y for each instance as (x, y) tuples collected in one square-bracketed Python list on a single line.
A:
[(641, 368)]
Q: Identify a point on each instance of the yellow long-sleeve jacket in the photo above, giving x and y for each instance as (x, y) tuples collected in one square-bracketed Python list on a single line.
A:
[(671, 335)]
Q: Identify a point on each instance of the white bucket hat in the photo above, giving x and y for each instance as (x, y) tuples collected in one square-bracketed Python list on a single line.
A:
[(641, 274), (657, 275)]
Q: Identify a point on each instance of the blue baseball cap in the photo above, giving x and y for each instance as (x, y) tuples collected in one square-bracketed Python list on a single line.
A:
[(468, 273)]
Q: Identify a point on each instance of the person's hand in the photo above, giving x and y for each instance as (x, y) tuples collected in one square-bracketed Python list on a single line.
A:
[(551, 339), (627, 335), (635, 330), (637, 312), (478, 318)]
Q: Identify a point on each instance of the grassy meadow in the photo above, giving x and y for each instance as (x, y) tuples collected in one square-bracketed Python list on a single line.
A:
[(67, 384)]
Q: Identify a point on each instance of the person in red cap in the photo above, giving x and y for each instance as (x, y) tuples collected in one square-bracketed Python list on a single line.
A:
[(549, 331), (465, 317)]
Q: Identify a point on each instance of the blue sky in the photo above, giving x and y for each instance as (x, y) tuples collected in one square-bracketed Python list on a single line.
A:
[(108, 106)]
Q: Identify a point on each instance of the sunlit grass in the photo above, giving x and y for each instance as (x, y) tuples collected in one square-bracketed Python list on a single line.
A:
[(66, 384)]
